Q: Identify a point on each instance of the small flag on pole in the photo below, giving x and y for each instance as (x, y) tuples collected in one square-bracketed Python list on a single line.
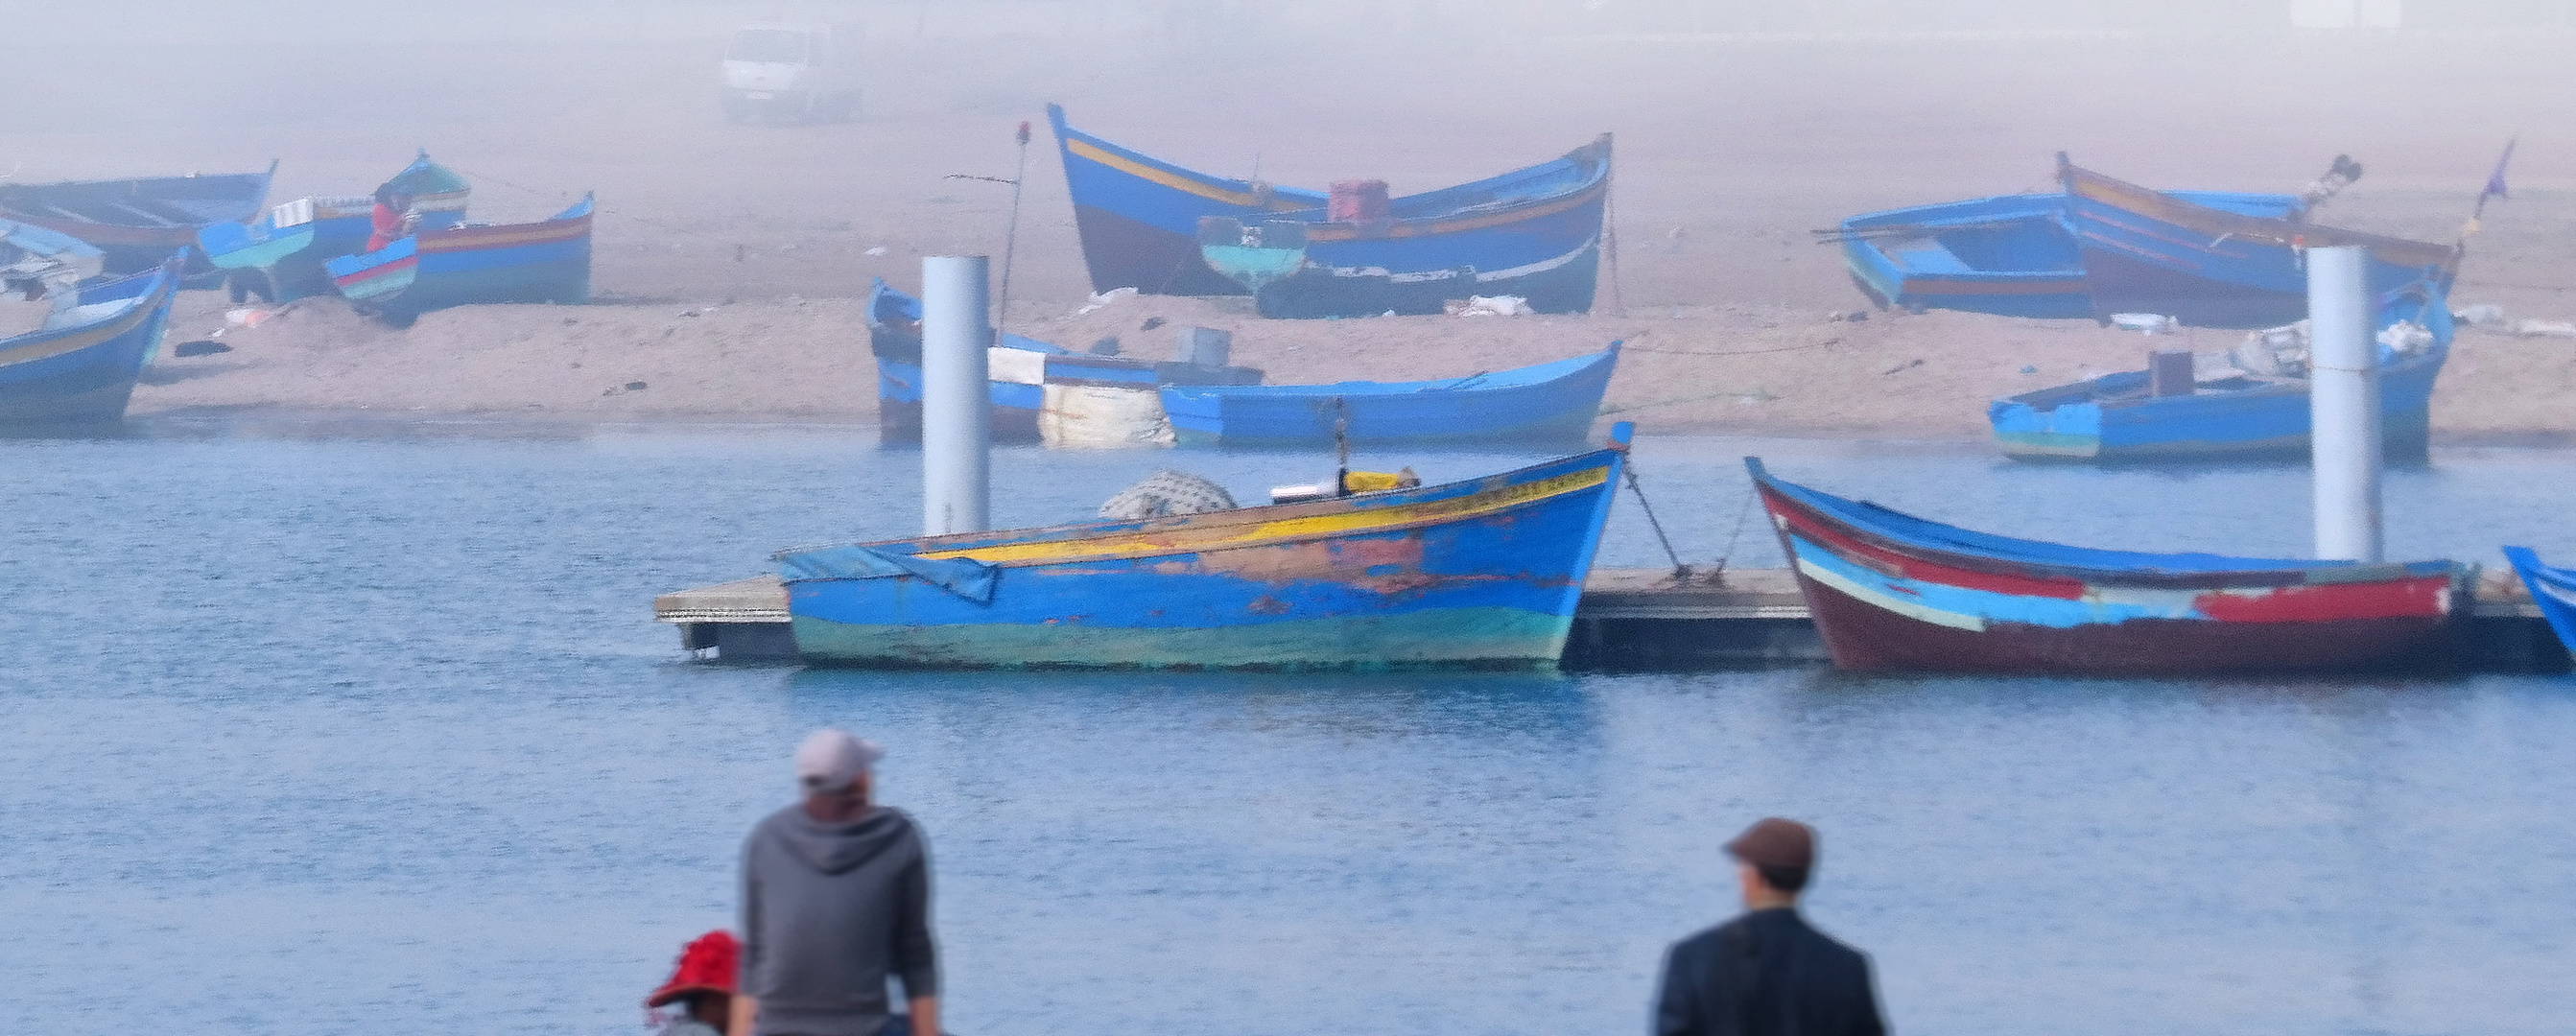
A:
[(2495, 182)]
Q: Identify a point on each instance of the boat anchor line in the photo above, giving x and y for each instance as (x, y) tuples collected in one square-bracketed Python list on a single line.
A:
[(1681, 572)]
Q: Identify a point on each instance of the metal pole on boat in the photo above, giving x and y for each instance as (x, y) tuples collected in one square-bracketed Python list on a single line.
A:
[(2343, 404), (956, 395)]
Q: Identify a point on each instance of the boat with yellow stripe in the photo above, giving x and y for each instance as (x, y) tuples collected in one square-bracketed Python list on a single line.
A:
[(1481, 572), (1140, 219), (80, 366)]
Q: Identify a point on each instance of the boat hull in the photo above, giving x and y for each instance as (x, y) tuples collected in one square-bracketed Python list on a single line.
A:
[(85, 374), (2269, 420), (545, 262), (1554, 402), (1905, 594), (1138, 216), (2145, 252), (1015, 406), (138, 223), (1480, 573), (2553, 590), (1563, 284)]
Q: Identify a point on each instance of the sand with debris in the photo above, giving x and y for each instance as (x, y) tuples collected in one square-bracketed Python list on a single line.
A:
[(730, 258)]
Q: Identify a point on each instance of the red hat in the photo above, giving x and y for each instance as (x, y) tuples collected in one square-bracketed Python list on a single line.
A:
[(707, 965)]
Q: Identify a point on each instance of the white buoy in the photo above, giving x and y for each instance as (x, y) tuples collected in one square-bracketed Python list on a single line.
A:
[(2343, 404), (956, 395)]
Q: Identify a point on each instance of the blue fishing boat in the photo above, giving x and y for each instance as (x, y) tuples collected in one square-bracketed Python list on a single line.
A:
[(2256, 404), (2010, 255), (279, 256), (1138, 216), (36, 262), (1480, 572), (1534, 233), (1020, 369), (80, 366), (1895, 592), (2206, 266), (2553, 589), (1549, 401), (139, 222), (471, 264)]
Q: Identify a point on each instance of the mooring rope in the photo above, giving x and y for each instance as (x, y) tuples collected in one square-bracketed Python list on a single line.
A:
[(1681, 572)]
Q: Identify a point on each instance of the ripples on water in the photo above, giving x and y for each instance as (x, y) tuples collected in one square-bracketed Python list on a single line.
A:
[(326, 730)]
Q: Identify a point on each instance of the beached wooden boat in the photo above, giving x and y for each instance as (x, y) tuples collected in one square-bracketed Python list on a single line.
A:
[(471, 264), (1892, 591), (1480, 572), (1548, 401), (279, 256), (1020, 369), (36, 262), (2552, 589), (2010, 255), (81, 365), (2150, 252), (1534, 233), (1138, 216), (137, 223), (2249, 406)]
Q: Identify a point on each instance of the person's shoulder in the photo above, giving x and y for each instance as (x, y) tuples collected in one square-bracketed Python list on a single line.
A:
[(774, 822), (1705, 941), (1837, 949)]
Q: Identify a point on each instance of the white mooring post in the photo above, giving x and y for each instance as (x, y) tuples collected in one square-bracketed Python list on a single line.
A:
[(2343, 404), (956, 395)]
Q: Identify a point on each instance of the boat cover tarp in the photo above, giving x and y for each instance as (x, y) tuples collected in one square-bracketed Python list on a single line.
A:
[(965, 577)]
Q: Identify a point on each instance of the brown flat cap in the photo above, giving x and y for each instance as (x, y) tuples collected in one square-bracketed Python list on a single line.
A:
[(1773, 842)]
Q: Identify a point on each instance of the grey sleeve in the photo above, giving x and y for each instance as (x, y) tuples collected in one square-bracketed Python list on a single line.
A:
[(916, 955)]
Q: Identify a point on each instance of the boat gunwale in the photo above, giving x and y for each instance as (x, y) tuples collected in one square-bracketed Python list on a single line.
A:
[(1207, 522), (2219, 223), (2301, 572)]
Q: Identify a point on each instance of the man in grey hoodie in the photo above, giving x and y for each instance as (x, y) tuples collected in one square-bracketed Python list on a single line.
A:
[(836, 898)]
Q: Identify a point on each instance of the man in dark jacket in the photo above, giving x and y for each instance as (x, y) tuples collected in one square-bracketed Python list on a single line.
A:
[(1766, 973), (835, 898)]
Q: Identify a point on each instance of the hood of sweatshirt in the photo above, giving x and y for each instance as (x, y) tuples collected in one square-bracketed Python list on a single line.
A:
[(834, 848)]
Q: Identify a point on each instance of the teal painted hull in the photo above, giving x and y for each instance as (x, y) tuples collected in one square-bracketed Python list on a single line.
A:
[(1462, 636)]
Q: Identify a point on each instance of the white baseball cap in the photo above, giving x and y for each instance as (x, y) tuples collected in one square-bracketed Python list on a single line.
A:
[(832, 758)]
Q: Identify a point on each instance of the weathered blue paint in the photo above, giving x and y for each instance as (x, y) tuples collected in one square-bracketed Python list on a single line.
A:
[(894, 338), (1138, 216), (1555, 400), (1485, 571), (286, 261), (139, 222), (1534, 233), (2208, 266), (545, 261), (2010, 255), (81, 366), (2113, 418), (2553, 589)]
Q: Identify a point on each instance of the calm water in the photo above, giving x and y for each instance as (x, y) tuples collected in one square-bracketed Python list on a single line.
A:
[(341, 729)]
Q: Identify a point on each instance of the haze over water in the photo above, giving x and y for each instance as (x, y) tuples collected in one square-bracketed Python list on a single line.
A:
[(341, 729)]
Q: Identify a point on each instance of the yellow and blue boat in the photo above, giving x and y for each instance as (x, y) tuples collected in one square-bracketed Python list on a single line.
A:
[(1481, 572), (80, 367)]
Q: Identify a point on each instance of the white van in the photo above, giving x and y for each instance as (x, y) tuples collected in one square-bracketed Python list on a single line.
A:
[(794, 72)]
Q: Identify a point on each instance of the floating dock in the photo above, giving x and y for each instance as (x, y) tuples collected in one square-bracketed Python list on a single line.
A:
[(1637, 619)]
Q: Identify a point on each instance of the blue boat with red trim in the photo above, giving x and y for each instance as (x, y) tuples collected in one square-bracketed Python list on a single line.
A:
[(279, 256), (1889, 591), (1534, 233), (2010, 255), (2149, 252), (1139, 219), (2552, 589), (1481, 572), (1020, 370), (81, 365), (1540, 403), (139, 222), (471, 264)]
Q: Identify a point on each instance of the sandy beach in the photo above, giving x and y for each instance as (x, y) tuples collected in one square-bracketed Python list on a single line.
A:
[(730, 258)]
